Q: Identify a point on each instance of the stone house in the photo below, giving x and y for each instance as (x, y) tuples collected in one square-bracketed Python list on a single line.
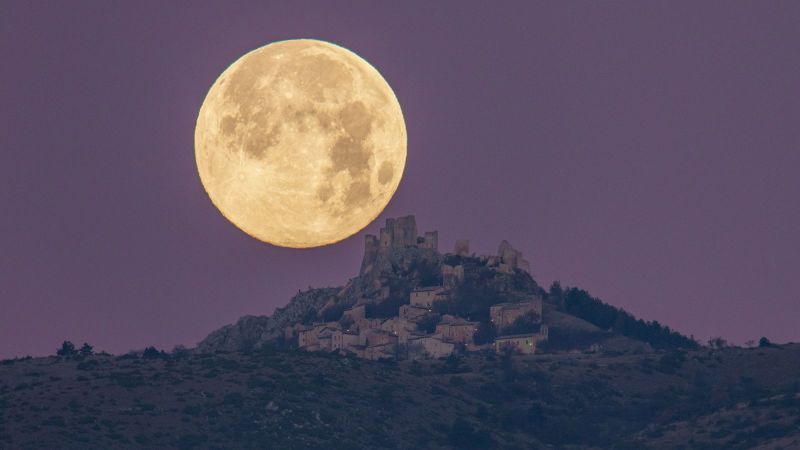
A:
[(355, 313), (343, 340), (425, 296), (413, 313), (376, 336), (505, 314), (381, 351), (317, 337), (399, 327), (521, 343), (456, 330)]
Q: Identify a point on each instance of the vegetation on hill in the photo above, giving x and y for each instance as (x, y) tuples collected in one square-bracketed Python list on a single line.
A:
[(579, 303), (711, 399)]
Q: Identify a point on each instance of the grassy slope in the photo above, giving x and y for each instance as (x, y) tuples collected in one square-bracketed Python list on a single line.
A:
[(281, 399)]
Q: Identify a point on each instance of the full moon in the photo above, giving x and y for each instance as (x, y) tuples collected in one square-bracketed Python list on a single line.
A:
[(300, 143)]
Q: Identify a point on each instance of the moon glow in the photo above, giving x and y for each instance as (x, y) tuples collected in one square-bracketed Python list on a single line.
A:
[(300, 143)]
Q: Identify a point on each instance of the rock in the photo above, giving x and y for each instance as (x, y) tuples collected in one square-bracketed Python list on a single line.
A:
[(253, 331)]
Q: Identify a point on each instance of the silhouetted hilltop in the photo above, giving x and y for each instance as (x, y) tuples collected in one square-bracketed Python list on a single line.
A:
[(419, 350), (458, 289)]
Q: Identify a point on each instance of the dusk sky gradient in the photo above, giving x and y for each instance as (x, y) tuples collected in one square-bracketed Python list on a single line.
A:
[(645, 151)]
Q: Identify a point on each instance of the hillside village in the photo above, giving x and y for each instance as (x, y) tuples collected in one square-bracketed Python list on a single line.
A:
[(416, 330)]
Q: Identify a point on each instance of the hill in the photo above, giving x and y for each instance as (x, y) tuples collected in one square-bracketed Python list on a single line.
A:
[(399, 264), (272, 398)]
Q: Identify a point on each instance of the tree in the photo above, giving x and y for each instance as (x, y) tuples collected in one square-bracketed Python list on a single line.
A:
[(485, 333), (764, 342), (717, 343), (67, 350), (346, 322), (153, 353), (86, 350), (429, 322), (527, 323), (463, 435)]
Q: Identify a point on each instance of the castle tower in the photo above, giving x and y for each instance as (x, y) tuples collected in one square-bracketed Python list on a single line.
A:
[(431, 240), (462, 247)]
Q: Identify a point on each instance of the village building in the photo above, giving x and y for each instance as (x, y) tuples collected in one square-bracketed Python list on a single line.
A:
[(355, 313), (317, 337), (505, 314), (425, 296), (343, 340), (413, 313), (521, 343), (456, 330), (399, 327), (378, 352), (376, 336)]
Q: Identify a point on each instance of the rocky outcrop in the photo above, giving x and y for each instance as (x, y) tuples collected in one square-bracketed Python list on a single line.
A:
[(251, 332), (392, 274)]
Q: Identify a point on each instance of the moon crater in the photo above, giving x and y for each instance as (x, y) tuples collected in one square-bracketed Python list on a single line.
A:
[(300, 143)]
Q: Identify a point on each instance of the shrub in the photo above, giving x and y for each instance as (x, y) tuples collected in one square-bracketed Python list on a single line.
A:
[(463, 436), (67, 350), (579, 303), (153, 353), (485, 333), (429, 322), (528, 323), (86, 350), (88, 365)]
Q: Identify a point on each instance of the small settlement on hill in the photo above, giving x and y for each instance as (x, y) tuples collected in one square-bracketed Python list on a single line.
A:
[(409, 334)]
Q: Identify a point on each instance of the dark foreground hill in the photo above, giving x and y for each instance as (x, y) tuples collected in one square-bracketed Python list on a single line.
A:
[(698, 399)]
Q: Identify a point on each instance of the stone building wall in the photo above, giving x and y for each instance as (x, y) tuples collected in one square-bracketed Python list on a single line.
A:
[(452, 275), (424, 297), (505, 314), (431, 240), (462, 247)]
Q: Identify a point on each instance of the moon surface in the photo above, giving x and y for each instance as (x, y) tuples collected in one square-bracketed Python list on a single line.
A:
[(300, 143)]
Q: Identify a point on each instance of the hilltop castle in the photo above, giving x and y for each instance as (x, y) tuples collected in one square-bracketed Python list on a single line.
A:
[(397, 234), (408, 334)]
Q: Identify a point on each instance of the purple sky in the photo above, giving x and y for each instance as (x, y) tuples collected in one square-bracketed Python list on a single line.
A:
[(645, 151)]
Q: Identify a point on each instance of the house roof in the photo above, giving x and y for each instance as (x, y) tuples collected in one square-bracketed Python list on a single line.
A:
[(516, 336), (427, 288), (455, 320), (514, 304), (414, 307)]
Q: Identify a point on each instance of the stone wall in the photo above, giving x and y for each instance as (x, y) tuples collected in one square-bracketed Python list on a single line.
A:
[(512, 258), (452, 275), (431, 240), (462, 247), (505, 314)]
